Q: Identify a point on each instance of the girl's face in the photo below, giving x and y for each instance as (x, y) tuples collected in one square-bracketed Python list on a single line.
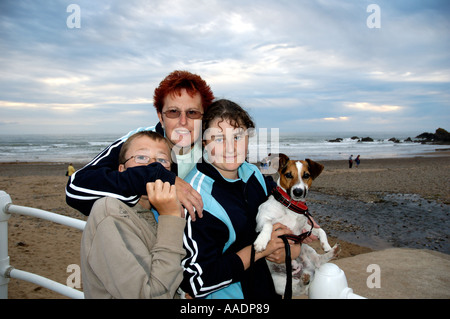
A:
[(226, 146)]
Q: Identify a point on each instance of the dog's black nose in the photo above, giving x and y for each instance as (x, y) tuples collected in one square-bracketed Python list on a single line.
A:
[(298, 192)]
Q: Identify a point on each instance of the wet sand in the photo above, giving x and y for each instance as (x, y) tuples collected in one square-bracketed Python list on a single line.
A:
[(428, 177)]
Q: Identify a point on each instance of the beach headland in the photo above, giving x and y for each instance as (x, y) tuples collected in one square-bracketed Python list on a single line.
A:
[(47, 249)]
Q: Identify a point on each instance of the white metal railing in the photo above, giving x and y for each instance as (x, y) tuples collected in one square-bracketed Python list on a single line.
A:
[(333, 276), (7, 271)]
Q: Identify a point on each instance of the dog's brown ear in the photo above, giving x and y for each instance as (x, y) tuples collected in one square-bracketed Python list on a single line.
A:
[(314, 168), (282, 161)]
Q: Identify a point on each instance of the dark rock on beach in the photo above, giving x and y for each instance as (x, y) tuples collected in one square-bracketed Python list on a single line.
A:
[(395, 140), (441, 136)]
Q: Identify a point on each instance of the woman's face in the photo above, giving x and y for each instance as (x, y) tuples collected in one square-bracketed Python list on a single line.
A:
[(226, 146), (182, 131)]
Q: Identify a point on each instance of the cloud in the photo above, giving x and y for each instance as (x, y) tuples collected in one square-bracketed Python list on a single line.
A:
[(430, 77), (288, 62), (63, 80), (5, 123), (340, 118), (364, 106)]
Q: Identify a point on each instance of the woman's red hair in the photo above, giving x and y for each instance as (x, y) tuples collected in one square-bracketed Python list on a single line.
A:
[(178, 80)]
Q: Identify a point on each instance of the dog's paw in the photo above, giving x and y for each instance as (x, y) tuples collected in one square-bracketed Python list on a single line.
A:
[(326, 247), (336, 250), (259, 245), (261, 242), (296, 267), (306, 278)]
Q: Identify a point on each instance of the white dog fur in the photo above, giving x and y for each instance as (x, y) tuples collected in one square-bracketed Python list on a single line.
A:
[(295, 179)]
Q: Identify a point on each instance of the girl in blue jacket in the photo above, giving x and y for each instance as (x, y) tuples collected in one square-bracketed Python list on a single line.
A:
[(219, 245)]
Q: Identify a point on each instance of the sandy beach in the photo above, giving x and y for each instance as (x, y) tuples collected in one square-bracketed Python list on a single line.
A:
[(428, 177), (48, 249)]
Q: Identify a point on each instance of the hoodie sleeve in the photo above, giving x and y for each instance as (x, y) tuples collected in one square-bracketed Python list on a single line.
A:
[(206, 267), (101, 178)]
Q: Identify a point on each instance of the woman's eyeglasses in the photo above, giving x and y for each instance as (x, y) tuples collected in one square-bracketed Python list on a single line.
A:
[(143, 159), (192, 114)]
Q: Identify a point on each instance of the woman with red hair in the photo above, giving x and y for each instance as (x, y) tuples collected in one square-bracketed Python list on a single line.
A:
[(180, 101)]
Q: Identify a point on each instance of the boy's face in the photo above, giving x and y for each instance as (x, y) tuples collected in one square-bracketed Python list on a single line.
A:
[(144, 151)]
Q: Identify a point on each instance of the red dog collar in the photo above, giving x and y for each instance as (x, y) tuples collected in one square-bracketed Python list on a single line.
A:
[(296, 206)]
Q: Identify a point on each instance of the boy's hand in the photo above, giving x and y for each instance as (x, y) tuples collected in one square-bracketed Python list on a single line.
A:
[(163, 197)]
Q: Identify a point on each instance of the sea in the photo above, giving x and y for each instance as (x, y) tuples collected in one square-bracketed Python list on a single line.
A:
[(81, 148), (390, 223)]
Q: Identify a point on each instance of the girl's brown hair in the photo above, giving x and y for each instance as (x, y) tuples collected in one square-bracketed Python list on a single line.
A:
[(227, 110)]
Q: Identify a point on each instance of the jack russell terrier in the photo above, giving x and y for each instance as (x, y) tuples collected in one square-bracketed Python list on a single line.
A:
[(285, 206)]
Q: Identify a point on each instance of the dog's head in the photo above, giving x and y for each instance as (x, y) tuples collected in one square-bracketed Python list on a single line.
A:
[(296, 176)]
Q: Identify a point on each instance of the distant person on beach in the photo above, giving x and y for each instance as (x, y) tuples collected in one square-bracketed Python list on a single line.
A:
[(270, 164), (70, 170), (357, 161), (135, 252), (350, 161), (180, 101)]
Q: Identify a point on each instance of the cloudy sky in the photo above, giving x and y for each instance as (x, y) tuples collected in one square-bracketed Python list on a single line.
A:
[(296, 65)]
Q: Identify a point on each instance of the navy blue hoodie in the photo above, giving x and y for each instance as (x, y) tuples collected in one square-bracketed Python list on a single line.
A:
[(100, 177), (212, 269)]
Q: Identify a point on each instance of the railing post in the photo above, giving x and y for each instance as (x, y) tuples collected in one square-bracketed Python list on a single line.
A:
[(5, 200)]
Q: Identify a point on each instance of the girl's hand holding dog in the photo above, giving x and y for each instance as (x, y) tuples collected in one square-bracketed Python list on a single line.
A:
[(273, 245), (278, 256), (163, 197)]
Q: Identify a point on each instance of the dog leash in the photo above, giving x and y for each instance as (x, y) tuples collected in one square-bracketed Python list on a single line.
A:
[(300, 208), (288, 260)]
